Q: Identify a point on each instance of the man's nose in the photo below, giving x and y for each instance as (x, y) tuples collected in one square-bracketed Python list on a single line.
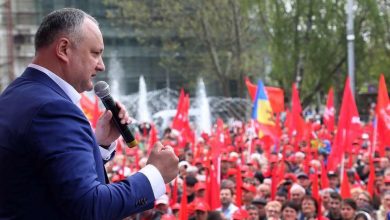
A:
[(100, 66)]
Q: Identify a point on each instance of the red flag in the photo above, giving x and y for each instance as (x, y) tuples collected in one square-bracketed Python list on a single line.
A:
[(252, 88), (276, 98), (306, 161), (274, 182), (96, 113), (177, 122), (152, 138), (383, 115), (174, 192), (324, 177), (329, 111), (183, 214), (238, 188), (219, 139), (213, 187), (275, 95), (348, 129), (296, 124), (315, 188), (345, 188), (90, 109), (371, 178), (181, 121)]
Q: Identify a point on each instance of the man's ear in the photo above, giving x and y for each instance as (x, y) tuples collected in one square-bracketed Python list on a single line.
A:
[(63, 49)]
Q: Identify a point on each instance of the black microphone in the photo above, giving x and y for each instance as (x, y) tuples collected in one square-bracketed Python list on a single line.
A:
[(102, 90)]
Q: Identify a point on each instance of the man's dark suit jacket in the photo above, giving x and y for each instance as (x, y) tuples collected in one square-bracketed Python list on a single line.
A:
[(50, 164)]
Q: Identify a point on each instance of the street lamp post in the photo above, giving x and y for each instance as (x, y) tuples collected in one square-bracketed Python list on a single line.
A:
[(351, 40)]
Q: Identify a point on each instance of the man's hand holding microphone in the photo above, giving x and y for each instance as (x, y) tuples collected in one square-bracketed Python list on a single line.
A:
[(107, 131)]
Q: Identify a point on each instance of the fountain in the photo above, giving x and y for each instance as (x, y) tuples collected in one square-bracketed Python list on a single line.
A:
[(146, 105), (115, 76), (143, 114), (203, 120)]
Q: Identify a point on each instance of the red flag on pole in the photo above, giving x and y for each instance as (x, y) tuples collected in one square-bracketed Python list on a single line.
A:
[(345, 188), (219, 139), (177, 122), (96, 112), (347, 130), (183, 213), (329, 111), (371, 178), (324, 177), (274, 182), (152, 138), (295, 122), (213, 187), (383, 116), (238, 188), (90, 109), (315, 188)]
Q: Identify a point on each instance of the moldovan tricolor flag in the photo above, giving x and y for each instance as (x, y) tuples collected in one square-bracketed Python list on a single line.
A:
[(275, 95), (262, 112)]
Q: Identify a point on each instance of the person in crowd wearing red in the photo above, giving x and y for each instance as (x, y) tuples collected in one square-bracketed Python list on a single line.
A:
[(248, 194)]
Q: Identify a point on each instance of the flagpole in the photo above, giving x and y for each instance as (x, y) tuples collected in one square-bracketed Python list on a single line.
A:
[(350, 44), (250, 142), (343, 159), (373, 145)]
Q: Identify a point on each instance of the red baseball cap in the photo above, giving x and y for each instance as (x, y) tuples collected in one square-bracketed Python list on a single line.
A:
[(232, 172), (240, 214), (387, 179), (201, 206), (249, 187), (175, 206), (199, 186), (168, 217)]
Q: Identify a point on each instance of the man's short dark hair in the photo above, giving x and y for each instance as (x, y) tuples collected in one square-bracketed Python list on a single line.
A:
[(65, 21), (252, 207), (290, 204), (335, 195), (350, 202), (228, 188), (191, 181)]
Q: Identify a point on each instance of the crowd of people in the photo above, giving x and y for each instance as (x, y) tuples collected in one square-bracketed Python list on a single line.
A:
[(303, 188)]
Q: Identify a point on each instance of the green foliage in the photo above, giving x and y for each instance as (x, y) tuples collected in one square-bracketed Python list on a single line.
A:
[(279, 41), (308, 39), (213, 39)]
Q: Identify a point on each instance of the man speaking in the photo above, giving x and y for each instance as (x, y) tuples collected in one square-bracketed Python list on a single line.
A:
[(51, 166)]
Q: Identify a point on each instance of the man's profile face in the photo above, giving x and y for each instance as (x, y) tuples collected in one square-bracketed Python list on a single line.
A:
[(85, 57)]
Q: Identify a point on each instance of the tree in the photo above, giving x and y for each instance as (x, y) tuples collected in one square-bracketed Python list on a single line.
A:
[(279, 41), (308, 42), (213, 39)]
